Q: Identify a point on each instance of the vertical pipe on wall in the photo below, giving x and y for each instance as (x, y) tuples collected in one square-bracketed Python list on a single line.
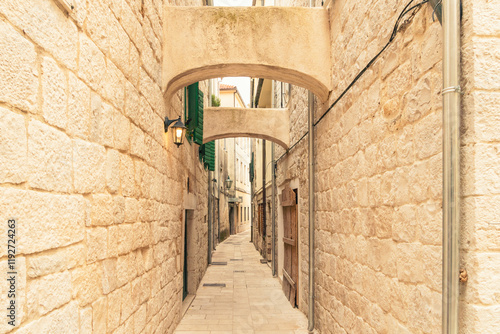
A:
[(273, 195), (311, 210), (264, 232), (273, 213), (310, 112), (253, 166), (451, 164), (209, 217), (209, 186)]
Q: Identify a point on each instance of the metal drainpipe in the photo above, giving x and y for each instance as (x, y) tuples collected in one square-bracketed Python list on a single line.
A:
[(251, 182), (310, 111), (451, 164), (273, 216), (209, 180), (273, 198), (264, 199), (209, 194), (311, 210)]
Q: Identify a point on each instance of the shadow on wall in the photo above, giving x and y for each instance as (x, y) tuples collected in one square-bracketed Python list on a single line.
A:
[(224, 234)]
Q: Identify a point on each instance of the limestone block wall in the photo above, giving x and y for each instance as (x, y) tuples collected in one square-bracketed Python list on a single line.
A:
[(379, 174), (293, 166), (84, 169), (480, 243)]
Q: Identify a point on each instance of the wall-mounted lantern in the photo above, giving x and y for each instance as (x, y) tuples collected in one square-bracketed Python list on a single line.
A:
[(179, 130), (228, 182)]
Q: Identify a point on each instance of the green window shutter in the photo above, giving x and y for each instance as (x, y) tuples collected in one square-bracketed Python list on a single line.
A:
[(210, 155), (195, 115), (207, 155), (252, 173)]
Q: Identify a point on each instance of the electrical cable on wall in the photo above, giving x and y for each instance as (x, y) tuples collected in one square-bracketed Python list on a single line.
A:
[(399, 24)]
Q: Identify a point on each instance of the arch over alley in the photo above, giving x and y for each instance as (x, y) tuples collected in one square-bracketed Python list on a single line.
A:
[(269, 124), (286, 44)]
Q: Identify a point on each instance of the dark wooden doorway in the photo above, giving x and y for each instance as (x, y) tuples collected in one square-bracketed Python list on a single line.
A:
[(185, 269), (231, 220), (290, 241)]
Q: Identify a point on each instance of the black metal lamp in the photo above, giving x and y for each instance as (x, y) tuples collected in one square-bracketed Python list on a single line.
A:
[(228, 182), (179, 130)]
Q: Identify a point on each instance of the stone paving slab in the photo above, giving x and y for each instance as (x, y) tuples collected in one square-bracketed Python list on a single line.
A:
[(252, 301)]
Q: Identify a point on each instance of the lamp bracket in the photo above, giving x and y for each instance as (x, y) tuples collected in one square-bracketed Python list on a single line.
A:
[(168, 122)]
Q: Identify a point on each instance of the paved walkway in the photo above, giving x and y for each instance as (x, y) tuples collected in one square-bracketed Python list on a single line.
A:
[(252, 301)]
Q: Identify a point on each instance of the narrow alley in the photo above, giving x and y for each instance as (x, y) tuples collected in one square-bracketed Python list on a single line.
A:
[(251, 302)]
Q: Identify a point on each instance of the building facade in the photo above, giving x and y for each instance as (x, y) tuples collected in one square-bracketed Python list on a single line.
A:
[(237, 151), (115, 225)]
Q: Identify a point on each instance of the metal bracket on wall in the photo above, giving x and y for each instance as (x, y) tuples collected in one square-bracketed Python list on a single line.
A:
[(437, 6)]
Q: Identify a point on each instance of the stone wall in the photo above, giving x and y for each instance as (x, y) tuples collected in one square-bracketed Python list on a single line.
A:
[(84, 169), (480, 242), (379, 174)]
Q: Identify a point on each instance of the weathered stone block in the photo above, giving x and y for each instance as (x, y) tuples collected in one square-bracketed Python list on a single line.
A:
[(119, 45), (54, 87), (121, 131), (97, 239), (98, 20), (119, 209), (59, 260), (127, 175), (140, 319), (114, 309), (132, 102), (86, 283), (101, 121), (109, 282), (102, 209), (13, 147), (409, 265), (92, 67), (49, 152), (114, 85), (99, 315), (113, 171), (486, 62), (127, 304), (48, 293), (48, 221), (18, 71), (131, 209), (125, 268), (78, 107), (61, 321), (137, 145), (58, 35), (86, 320), (89, 162)]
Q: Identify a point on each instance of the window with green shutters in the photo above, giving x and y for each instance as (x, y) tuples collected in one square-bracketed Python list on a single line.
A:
[(251, 169), (194, 123), (195, 113), (207, 155)]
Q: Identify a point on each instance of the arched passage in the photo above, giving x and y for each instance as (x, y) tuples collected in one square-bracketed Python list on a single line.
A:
[(268, 124), (288, 44)]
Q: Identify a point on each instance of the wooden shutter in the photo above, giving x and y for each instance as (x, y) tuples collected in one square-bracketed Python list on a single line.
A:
[(195, 113)]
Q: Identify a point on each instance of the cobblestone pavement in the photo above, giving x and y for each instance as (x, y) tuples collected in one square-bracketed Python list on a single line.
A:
[(252, 301)]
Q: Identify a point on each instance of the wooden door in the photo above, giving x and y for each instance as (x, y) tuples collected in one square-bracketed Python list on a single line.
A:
[(290, 242), (185, 269)]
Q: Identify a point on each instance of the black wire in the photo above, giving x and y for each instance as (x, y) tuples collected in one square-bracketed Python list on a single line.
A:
[(395, 30)]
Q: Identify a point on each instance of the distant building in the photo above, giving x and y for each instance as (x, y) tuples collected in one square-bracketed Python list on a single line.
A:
[(234, 161)]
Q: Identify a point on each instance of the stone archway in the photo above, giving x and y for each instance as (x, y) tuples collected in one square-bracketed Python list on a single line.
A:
[(268, 124), (288, 44)]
